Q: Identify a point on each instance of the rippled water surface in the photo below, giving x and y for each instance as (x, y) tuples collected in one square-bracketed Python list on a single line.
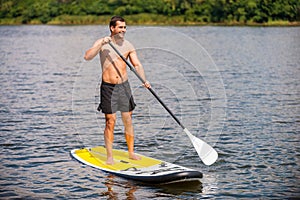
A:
[(236, 88)]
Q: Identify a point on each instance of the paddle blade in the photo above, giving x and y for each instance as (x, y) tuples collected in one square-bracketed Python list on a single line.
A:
[(206, 153)]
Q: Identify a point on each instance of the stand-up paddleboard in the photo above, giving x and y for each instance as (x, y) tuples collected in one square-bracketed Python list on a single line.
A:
[(147, 170)]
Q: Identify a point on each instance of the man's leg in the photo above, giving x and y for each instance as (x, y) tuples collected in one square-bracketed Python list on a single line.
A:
[(129, 135), (109, 136)]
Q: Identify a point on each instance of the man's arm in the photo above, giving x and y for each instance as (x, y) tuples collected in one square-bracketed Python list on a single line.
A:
[(95, 49), (138, 67)]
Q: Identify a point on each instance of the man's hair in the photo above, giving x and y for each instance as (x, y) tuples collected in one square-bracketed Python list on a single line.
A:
[(114, 19)]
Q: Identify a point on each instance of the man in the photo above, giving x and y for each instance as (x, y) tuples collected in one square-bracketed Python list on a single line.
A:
[(115, 90)]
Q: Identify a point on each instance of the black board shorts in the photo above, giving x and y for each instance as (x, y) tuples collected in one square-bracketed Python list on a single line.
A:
[(116, 97)]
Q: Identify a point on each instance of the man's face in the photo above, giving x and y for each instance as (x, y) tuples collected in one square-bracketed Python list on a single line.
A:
[(119, 30)]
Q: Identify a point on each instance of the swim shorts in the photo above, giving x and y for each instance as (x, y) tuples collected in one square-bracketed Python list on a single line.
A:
[(116, 97)]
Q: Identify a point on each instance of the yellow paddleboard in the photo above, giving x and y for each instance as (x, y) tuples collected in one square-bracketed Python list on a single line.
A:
[(148, 170)]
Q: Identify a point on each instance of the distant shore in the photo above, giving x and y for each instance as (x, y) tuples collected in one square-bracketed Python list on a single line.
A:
[(151, 20)]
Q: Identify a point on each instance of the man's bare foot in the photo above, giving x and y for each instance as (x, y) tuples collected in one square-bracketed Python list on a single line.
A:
[(133, 156), (110, 161)]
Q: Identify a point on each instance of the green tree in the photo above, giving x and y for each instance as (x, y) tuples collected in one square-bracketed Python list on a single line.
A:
[(241, 11)]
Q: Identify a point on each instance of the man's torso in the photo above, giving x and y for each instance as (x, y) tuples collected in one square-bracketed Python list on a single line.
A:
[(113, 67)]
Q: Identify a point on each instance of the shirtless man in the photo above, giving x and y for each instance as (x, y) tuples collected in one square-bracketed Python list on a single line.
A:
[(115, 90)]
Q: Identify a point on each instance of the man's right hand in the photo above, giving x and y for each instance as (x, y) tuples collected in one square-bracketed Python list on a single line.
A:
[(106, 40), (93, 51)]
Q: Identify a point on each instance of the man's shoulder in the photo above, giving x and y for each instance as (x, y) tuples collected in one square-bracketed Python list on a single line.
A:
[(128, 45)]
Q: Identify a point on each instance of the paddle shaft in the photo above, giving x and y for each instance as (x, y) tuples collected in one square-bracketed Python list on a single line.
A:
[(206, 153), (143, 81)]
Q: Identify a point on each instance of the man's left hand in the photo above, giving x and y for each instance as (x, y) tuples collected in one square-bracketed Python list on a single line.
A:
[(147, 84)]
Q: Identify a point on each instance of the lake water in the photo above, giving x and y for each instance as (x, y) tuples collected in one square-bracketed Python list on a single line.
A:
[(237, 88)]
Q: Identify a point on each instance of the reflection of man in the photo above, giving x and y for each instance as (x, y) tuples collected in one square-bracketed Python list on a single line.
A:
[(115, 90), (111, 194)]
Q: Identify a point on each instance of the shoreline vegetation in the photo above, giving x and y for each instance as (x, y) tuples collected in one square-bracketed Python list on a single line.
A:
[(146, 19), (152, 12)]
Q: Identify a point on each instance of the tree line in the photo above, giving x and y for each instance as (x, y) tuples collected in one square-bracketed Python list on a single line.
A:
[(184, 11)]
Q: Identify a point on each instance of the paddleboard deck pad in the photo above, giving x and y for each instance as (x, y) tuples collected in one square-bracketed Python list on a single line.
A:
[(147, 170)]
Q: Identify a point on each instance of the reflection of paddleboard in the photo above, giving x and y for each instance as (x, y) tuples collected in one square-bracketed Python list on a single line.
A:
[(148, 170)]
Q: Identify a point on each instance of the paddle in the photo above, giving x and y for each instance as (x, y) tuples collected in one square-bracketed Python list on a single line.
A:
[(206, 153)]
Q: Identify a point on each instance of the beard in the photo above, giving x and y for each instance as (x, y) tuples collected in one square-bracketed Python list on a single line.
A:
[(119, 37)]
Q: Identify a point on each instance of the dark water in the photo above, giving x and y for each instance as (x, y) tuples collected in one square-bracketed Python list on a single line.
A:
[(236, 88)]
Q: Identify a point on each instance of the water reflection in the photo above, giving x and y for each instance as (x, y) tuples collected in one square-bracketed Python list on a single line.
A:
[(193, 187), (110, 183), (117, 188)]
